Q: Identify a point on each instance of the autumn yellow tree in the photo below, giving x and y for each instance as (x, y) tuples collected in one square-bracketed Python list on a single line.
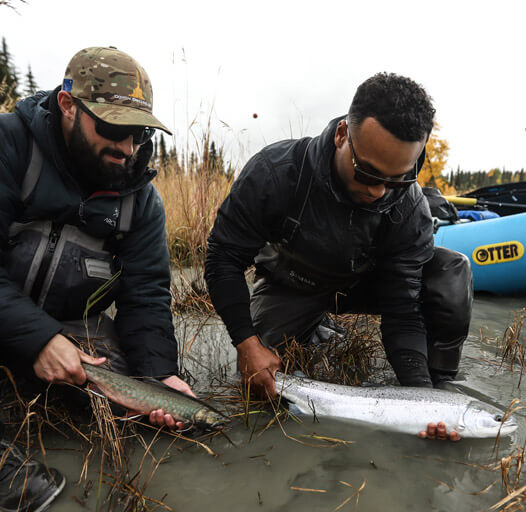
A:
[(495, 175), (437, 151)]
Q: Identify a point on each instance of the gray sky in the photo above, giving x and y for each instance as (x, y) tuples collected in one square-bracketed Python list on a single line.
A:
[(297, 63)]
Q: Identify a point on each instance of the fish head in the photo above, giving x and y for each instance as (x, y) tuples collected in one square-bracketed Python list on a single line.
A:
[(210, 420), (484, 420)]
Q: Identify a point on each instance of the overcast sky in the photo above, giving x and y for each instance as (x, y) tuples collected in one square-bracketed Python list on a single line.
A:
[(297, 63)]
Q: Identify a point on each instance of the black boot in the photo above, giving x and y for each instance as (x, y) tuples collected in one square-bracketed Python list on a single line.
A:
[(31, 494)]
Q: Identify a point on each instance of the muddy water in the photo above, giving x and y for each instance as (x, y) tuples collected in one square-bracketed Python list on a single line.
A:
[(399, 472)]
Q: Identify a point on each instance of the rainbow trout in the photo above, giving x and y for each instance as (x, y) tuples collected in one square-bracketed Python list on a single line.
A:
[(400, 409), (144, 398)]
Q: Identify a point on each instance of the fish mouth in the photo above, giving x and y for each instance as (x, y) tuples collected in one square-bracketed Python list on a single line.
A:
[(216, 425), (509, 426), (220, 423)]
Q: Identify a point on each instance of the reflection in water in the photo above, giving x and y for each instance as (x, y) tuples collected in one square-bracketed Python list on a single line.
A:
[(401, 472)]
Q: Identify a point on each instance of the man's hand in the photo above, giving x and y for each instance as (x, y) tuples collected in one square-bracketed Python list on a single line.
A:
[(438, 432), (59, 362), (258, 366), (158, 417)]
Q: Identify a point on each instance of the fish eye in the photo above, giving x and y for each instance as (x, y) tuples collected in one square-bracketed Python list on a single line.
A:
[(498, 417)]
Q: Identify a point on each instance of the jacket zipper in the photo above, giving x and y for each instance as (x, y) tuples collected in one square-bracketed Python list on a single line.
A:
[(54, 237)]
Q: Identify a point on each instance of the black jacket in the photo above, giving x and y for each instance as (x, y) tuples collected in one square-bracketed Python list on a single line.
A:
[(143, 321), (336, 236)]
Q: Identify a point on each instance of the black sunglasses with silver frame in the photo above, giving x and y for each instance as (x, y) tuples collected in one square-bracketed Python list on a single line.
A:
[(366, 178), (115, 132)]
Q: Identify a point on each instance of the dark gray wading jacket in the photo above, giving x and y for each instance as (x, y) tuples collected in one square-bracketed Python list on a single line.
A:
[(60, 243), (335, 245)]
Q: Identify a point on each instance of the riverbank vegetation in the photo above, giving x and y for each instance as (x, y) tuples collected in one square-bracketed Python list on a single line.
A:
[(511, 347), (192, 189), (192, 193)]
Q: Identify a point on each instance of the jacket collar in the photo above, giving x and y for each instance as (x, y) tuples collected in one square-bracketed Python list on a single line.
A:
[(320, 156)]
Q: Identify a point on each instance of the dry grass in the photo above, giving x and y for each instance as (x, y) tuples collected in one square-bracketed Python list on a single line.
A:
[(104, 441), (510, 468), (9, 3), (346, 359), (8, 104), (511, 347), (191, 199)]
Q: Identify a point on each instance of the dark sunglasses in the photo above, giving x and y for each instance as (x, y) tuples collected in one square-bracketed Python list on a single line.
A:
[(115, 132), (366, 178)]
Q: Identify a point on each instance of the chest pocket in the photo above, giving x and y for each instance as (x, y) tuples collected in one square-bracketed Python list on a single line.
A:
[(60, 266)]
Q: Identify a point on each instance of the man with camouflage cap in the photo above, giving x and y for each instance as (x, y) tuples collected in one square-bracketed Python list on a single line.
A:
[(77, 208)]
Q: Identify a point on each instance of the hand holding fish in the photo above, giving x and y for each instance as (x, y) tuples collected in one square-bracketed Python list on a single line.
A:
[(60, 362), (158, 417), (397, 408), (258, 365), (438, 431), (166, 405)]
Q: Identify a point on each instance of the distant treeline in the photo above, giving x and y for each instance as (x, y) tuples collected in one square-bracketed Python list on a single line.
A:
[(207, 159), (465, 181), (12, 86)]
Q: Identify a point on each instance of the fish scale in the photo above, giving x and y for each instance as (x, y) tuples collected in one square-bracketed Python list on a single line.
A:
[(400, 409), (144, 398)]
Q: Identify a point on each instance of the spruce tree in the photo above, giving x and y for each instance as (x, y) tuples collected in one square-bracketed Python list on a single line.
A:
[(163, 155), (212, 158), (155, 151), (31, 85), (8, 76)]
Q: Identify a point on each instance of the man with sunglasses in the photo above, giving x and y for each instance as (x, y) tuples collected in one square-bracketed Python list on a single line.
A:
[(81, 226), (337, 223)]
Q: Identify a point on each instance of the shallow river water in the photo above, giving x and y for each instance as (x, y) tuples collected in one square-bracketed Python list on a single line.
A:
[(398, 472)]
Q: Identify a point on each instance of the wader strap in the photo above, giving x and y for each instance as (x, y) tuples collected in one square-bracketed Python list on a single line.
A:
[(126, 215), (33, 171), (301, 196)]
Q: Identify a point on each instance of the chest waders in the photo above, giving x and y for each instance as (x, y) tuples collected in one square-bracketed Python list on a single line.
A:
[(58, 265)]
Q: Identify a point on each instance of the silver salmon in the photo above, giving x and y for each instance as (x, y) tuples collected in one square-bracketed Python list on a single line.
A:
[(144, 398), (400, 409)]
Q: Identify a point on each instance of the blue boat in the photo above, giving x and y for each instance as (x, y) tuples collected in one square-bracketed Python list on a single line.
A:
[(495, 248)]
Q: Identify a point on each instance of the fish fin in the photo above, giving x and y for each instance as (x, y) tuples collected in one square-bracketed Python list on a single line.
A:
[(94, 390), (294, 409), (154, 381), (134, 417), (188, 428), (453, 388), (299, 374)]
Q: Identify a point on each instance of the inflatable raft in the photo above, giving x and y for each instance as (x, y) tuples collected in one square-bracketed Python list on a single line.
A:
[(495, 248)]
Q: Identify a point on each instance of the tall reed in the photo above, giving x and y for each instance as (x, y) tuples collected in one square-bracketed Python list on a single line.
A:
[(192, 192), (191, 201)]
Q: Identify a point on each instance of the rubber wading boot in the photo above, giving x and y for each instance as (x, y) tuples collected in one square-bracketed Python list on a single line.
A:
[(26, 486)]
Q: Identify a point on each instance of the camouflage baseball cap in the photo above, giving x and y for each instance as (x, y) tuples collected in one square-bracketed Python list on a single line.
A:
[(113, 86)]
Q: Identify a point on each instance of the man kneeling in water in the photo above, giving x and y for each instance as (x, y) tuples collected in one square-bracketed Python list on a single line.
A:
[(337, 223)]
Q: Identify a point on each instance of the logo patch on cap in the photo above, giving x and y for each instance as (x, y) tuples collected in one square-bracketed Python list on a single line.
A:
[(137, 92), (67, 84)]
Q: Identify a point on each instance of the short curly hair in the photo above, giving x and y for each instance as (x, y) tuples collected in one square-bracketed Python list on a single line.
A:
[(398, 103)]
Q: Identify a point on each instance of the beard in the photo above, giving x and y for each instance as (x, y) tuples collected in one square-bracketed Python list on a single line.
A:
[(91, 168)]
